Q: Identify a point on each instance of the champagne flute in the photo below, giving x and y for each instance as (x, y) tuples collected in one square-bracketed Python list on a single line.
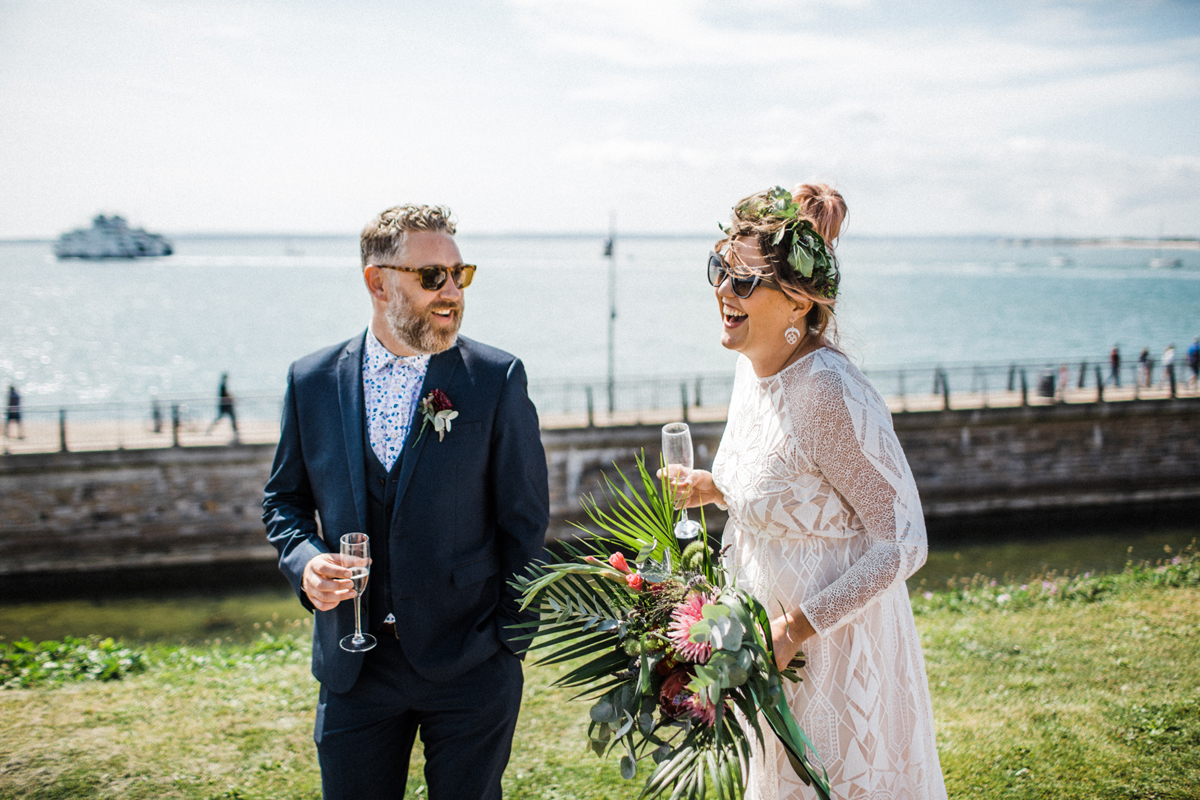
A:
[(677, 453), (356, 557)]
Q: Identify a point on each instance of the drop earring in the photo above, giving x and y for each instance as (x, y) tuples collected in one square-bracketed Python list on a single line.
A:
[(791, 335)]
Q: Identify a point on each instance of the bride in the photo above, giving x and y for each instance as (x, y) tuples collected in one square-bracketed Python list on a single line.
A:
[(824, 520)]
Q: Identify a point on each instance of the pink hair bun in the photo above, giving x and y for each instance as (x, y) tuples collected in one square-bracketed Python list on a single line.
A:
[(824, 206)]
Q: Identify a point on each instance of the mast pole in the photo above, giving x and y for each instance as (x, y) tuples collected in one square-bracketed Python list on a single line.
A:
[(610, 250)]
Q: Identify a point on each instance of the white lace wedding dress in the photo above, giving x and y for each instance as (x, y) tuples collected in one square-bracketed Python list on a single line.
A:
[(824, 517)]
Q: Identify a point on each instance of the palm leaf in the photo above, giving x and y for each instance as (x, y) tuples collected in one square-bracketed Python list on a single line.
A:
[(596, 668), (580, 649)]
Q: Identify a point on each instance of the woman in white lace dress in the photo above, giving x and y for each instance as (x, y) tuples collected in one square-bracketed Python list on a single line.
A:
[(824, 520)]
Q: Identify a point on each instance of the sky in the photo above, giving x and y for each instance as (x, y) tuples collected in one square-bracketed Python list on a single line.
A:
[(1075, 118)]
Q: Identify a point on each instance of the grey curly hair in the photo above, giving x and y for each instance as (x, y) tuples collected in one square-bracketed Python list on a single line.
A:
[(383, 237)]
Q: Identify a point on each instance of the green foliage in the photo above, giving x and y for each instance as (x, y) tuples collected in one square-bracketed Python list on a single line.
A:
[(985, 594), (655, 697), (24, 663), (808, 253), (1160, 727)]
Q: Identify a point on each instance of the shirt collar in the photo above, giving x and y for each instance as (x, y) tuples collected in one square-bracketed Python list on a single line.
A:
[(378, 358)]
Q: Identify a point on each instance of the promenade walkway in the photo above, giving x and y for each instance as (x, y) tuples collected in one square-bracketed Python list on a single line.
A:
[(116, 426)]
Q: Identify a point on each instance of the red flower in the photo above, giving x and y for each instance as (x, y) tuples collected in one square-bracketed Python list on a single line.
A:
[(635, 581), (439, 401), (617, 560), (673, 697)]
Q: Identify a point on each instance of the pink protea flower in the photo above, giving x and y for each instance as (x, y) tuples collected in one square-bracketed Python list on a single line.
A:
[(683, 617), (703, 712)]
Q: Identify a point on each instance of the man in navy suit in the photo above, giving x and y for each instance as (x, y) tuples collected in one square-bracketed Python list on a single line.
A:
[(452, 516)]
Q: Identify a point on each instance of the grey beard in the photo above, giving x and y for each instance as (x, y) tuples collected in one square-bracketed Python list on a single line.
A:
[(415, 332)]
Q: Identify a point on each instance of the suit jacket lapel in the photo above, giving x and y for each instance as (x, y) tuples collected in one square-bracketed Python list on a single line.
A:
[(350, 399), (441, 370)]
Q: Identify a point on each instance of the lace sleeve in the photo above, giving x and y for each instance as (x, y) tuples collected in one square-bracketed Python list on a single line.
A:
[(848, 434)]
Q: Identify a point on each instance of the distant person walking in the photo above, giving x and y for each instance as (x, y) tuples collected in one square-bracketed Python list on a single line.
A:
[(1168, 363), (224, 406), (1193, 361), (1114, 363), (1144, 368), (13, 416)]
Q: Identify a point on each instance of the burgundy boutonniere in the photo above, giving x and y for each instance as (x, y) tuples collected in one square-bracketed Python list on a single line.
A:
[(437, 410)]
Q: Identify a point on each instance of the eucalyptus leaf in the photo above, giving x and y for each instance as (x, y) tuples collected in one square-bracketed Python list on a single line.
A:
[(700, 632), (603, 711), (628, 768), (654, 575), (736, 676)]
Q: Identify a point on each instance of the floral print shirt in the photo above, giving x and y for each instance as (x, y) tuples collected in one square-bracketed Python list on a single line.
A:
[(391, 391)]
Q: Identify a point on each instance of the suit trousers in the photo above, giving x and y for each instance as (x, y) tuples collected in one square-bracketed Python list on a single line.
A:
[(365, 736)]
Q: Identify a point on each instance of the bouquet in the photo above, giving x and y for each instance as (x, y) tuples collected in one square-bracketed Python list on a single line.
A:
[(670, 650)]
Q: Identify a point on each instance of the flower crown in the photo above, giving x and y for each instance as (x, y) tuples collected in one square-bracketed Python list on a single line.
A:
[(808, 254)]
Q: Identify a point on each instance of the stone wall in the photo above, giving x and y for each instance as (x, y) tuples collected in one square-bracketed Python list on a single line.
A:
[(193, 514), (121, 517)]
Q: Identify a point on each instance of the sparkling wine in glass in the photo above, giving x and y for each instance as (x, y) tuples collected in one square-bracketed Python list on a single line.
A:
[(356, 557), (677, 454)]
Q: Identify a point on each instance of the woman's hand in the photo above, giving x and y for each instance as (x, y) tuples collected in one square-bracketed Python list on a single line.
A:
[(698, 485), (788, 633)]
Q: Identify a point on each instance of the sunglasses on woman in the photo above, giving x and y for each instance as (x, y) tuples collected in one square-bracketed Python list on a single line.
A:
[(718, 270), (434, 278)]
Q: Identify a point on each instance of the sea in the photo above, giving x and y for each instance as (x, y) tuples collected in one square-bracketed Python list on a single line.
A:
[(76, 332)]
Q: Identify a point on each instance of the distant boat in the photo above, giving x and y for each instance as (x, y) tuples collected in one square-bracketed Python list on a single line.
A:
[(111, 237), (1061, 261), (1160, 261)]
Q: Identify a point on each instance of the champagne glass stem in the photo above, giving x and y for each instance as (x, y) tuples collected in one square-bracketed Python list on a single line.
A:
[(358, 637)]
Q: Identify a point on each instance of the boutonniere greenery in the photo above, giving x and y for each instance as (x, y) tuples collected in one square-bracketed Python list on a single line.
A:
[(438, 411)]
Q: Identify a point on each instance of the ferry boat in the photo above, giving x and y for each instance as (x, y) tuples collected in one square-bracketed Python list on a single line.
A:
[(111, 237)]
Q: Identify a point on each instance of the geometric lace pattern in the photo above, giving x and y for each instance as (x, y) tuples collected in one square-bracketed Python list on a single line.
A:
[(824, 517)]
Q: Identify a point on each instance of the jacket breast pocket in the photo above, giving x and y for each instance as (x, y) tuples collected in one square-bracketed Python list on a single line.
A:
[(475, 571), (464, 430)]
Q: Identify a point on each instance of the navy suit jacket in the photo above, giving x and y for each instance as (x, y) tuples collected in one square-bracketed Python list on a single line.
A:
[(470, 513)]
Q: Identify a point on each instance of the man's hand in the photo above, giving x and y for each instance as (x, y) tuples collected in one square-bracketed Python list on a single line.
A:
[(326, 582)]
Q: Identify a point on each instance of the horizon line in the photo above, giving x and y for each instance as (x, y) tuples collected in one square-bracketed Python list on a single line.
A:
[(1039, 239)]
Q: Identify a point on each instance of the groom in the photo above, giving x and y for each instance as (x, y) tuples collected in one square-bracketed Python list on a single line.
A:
[(452, 512)]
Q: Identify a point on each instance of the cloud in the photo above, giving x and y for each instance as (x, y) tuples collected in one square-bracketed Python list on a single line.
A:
[(620, 89), (626, 152)]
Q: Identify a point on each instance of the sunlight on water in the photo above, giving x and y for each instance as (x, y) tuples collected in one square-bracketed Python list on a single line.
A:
[(88, 331)]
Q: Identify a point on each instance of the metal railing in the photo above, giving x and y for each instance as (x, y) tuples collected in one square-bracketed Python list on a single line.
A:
[(190, 421), (912, 387)]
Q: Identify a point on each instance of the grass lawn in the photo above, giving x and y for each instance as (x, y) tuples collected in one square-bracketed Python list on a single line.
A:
[(1088, 688)]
